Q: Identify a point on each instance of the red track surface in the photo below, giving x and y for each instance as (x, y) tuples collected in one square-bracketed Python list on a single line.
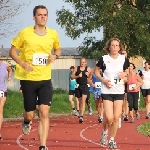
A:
[(67, 134)]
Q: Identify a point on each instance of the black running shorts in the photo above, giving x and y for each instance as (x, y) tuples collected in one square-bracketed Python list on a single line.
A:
[(82, 89), (71, 92), (145, 92), (112, 97), (33, 89), (3, 94)]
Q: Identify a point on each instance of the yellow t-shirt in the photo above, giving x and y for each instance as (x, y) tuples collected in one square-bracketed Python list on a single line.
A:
[(29, 44)]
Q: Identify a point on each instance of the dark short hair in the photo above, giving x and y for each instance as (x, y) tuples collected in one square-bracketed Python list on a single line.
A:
[(133, 65), (147, 62), (39, 7), (72, 67)]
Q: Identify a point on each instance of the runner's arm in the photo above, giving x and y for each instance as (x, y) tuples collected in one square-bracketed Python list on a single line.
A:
[(139, 80), (90, 78), (57, 52), (13, 54), (9, 70), (73, 74)]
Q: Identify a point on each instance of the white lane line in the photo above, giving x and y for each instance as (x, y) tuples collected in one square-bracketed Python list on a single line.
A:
[(81, 135), (18, 141), (12, 125)]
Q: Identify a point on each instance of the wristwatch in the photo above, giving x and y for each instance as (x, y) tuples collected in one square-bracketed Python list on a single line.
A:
[(57, 56)]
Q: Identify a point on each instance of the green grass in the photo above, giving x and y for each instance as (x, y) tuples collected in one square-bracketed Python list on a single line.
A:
[(14, 104), (144, 128), (60, 103)]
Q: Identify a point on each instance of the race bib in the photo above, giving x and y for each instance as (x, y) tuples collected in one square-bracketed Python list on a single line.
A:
[(39, 59), (97, 84), (76, 86), (88, 85), (116, 80), (131, 86), (2, 94)]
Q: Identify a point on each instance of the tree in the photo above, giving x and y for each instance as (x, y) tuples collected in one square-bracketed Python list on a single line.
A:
[(8, 10), (127, 20)]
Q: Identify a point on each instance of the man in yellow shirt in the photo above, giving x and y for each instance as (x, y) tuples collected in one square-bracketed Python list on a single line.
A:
[(33, 69)]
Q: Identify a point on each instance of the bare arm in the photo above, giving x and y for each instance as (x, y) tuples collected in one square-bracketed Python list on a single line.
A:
[(52, 58), (90, 78), (73, 74), (13, 54), (9, 70), (140, 80), (57, 52), (97, 73)]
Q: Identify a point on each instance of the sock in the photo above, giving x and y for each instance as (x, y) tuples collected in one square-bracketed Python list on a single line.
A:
[(26, 122), (111, 139), (105, 132), (73, 108), (41, 147), (99, 117)]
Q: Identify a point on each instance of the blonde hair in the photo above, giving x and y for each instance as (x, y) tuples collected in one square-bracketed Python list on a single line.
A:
[(108, 43)]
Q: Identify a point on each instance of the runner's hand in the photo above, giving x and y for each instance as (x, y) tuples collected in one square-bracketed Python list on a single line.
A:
[(9, 78), (51, 58), (107, 83), (80, 75), (87, 73), (27, 66)]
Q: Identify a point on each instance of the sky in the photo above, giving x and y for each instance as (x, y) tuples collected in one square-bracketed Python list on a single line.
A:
[(26, 19)]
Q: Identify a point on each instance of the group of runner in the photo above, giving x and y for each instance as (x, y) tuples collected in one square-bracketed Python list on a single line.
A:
[(116, 86), (81, 86), (108, 80)]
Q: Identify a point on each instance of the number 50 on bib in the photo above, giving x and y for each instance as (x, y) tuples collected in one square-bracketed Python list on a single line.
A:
[(40, 59)]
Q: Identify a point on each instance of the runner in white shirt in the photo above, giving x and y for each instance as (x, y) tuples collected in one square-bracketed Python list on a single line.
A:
[(145, 88), (113, 67)]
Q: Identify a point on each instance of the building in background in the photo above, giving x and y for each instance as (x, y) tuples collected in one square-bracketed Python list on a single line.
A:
[(60, 68)]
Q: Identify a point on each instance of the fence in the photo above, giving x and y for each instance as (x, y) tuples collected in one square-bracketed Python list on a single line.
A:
[(60, 73)]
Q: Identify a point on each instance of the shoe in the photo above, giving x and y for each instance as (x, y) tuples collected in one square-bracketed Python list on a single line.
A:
[(132, 120), (148, 115), (80, 119), (45, 148), (112, 145), (137, 115), (100, 119), (74, 112), (26, 128), (77, 113), (90, 111), (119, 123), (103, 140), (125, 118)]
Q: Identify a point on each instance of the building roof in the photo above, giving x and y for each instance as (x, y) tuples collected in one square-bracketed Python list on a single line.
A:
[(68, 51)]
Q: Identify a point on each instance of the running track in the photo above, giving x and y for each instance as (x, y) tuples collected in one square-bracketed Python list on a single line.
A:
[(67, 134)]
